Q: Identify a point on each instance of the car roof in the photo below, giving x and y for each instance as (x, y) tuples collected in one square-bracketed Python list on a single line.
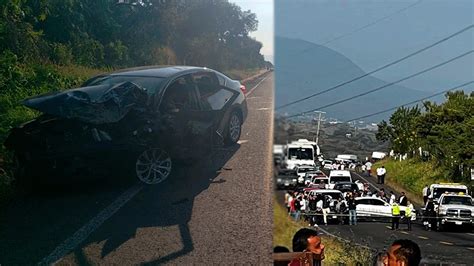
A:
[(162, 71), (339, 173), (326, 191), (369, 197)]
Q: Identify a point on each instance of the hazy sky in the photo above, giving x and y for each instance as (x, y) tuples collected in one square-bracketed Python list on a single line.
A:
[(428, 21), (264, 11)]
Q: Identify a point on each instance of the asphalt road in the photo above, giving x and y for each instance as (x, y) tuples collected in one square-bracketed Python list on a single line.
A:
[(217, 211), (452, 246)]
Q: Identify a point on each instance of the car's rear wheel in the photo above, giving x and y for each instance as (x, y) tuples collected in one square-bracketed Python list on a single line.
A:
[(234, 128), (153, 166)]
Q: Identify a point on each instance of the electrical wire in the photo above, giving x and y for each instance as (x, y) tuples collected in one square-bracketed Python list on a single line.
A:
[(378, 69), (384, 86)]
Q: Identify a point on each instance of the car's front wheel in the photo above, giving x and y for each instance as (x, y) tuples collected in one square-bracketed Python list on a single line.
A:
[(234, 128), (153, 166)]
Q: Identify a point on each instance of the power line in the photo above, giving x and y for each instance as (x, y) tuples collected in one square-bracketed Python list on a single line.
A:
[(378, 69), (412, 102), (384, 86), (371, 24)]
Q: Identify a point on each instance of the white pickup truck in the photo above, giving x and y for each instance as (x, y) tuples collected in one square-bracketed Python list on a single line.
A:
[(454, 209)]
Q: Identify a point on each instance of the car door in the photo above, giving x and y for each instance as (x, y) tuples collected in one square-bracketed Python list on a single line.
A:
[(186, 129), (214, 99), (363, 207), (380, 207)]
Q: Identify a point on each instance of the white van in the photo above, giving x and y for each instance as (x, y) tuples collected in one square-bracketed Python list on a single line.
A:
[(297, 154), (339, 176)]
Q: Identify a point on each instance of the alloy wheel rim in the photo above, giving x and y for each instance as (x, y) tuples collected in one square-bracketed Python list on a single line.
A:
[(234, 128), (153, 166)]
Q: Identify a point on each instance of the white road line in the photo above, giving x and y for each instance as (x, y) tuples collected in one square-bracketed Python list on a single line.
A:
[(258, 84), (242, 141), (263, 109), (471, 234), (423, 237), (83, 233), (403, 232), (471, 248), (446, 243)]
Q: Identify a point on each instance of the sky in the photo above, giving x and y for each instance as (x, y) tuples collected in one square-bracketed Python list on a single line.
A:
[(387, 40), (264, 11)]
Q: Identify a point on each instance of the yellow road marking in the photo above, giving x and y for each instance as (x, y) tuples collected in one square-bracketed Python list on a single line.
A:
[(422, 237), (446, 243)]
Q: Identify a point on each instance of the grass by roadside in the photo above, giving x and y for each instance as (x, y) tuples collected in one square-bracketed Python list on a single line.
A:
[(411, 176), (337, 252)]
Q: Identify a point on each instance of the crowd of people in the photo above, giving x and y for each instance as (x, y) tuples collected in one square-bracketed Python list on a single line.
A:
[(314, 208)]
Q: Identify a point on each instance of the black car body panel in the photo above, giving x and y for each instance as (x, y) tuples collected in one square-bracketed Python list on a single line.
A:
[(125, 112)]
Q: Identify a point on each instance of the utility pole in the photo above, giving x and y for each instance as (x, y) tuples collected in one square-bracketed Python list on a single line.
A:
[(319, 123)]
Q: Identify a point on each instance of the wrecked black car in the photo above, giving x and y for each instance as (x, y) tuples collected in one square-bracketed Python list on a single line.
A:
[(140, 119)]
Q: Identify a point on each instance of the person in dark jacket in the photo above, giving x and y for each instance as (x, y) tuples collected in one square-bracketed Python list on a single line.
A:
[(351, 203)]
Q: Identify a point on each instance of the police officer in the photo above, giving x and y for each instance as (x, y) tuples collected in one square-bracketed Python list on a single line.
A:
[(409, 214), (395, 216)]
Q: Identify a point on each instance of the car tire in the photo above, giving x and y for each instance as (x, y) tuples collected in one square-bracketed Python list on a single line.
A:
[(233, 129), (153, 166)]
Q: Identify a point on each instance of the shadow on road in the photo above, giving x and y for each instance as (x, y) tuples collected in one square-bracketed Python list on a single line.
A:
[(45, 221)]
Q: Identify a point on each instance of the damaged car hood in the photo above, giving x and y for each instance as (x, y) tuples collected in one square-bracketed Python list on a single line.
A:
[(94, 104)]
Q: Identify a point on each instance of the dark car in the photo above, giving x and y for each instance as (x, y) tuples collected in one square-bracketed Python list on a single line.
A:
[(286, 179), (141, 118), (346, 186)]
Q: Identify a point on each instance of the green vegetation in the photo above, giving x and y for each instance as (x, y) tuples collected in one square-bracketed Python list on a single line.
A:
[(444, 132), (337, 252), (411, 176), (51, 45)]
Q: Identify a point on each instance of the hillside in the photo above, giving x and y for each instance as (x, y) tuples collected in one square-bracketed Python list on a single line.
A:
[(332, 138), (305, 68)]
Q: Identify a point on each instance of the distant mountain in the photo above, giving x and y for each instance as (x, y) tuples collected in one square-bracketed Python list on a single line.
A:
[(303, 68)]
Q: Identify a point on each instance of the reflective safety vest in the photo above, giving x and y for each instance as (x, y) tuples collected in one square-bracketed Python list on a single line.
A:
[(408, 212), (395, 209)]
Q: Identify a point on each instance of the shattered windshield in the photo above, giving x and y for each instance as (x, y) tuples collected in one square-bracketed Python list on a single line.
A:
[(149, 84)]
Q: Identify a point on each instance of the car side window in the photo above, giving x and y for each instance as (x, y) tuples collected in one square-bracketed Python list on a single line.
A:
[(212, 96), (377, 202), (221, 79), (180, 95), (363, 201)]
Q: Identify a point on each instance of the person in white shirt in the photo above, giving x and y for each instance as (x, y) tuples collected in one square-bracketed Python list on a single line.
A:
[(425, 194), (383, 171), (379, 175), (392, 197), (368, 166)]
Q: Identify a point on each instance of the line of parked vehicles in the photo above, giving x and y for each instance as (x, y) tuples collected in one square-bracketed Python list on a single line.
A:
[(299, 165)]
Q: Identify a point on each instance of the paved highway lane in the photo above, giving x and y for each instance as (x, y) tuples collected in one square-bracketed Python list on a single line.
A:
[(217, 211), (446, 247)]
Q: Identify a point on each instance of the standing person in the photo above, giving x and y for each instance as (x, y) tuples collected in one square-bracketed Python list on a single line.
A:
[(326, 201), (383, 172), (403, 200), (430, 213), (395, 216), (292, 204), (297, 205), (425, 194), (392, 197), (379, 175), (364, 169), (409, 214), (341, 208), (312, 209), (368, 166), (352, 210), (287, 201)]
